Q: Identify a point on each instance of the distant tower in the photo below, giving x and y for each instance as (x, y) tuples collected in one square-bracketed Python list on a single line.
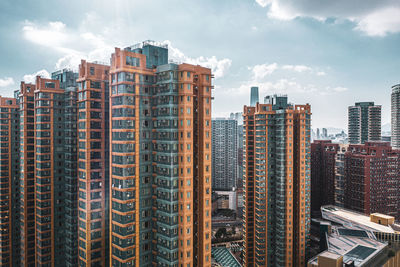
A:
[(254, 96), (396, 116), (318, 134), (364, 123), (324, 133)]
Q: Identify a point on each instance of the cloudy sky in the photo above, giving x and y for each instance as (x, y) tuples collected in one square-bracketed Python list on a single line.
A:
[(326, 53)]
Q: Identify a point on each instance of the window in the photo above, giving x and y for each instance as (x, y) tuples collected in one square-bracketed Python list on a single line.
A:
[(91, 70), (50, 85), (132, 61)]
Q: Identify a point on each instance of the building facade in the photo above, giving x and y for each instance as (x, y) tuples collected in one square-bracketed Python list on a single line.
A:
[(93, 164), (277, 183), (340, 177), (9, 182), (224, 154), (396, 116), (372, 179), (67, 79), (27, 173), (323, 161), (160, 159), (364, 122), (49, 172)]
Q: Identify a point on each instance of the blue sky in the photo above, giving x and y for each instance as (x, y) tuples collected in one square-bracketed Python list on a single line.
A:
[(326, 53)]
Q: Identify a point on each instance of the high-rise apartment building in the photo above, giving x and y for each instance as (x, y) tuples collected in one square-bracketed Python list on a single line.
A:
[(372, 179), (364, 122), (224, 154), (160, 159), (50, 176), (9, 183), (27, 174), (323, 160), (396, 116), (93, 164), (277, 183), (67, 79), (327, 175), (254, 96)]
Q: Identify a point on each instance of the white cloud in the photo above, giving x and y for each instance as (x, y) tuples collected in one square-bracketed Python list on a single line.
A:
[(263, 3), (31, 78), (219, 67), (260, 71), (297, 68), (7, 81), (381, 22), (375, 18), (280, 84), (339, 89), (82, 43)]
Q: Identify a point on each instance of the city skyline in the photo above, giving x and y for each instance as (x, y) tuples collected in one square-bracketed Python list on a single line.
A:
[(316, 55)]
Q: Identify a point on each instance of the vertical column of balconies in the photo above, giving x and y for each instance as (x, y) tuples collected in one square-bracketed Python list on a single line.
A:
[(166, 164), (44, 209), (248, 198), (49, 167), (71, 177), (9, 183), (144, 138), (186, 120), (301, 194), (374, 123), (202, 98), (124, 166), (282, 195), (271, 183), (92, 171), (27, 174), (261, 190)]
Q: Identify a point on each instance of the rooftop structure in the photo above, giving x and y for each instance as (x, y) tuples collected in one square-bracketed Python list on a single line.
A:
[(360, 221), (349, 247), (350, 238), (223, 257)]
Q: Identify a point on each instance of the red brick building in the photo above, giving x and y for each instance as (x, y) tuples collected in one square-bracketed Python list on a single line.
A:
[(323, 159), (372, 179)]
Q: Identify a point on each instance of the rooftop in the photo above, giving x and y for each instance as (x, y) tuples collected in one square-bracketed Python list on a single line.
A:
[(353, 219), (359, 246), (224, 257)]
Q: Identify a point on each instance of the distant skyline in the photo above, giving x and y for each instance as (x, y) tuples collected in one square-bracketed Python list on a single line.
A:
[(329, 54)]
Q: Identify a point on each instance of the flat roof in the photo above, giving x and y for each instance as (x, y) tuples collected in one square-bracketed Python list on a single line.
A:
[(359, 246), (353, 219)]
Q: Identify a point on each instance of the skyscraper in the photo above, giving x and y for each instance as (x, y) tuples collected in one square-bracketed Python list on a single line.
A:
[(161, 159), (27, 173), (93, 164), (224, 154), (396, 116), (50, 173), (364, 122), (67, 79), (372, 181), (277, 183), (254, 96), (9, 183)]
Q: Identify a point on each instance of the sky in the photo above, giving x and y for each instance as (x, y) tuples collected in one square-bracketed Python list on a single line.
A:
[(329, 54)]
